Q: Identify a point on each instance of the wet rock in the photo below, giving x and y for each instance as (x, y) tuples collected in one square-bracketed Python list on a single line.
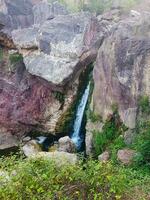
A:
[(125, 156), (31, 148), (104, 157), (66, 145)]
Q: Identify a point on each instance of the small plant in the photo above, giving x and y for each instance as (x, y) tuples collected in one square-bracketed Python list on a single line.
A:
[(142, 144), (112, 129), (59, 96), (1, 54), (93, 116), (15, 58)]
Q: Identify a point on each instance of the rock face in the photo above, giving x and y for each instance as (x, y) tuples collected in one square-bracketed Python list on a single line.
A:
[(90, 128), (126, 156), (122, 72), (66, 145), (55, 46)]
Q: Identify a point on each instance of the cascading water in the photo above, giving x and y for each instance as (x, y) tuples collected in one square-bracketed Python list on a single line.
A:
[(76, 135)]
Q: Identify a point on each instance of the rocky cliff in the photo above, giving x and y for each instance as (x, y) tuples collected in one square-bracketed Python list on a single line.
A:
[(122, 70), (43, 52), (44, 49)]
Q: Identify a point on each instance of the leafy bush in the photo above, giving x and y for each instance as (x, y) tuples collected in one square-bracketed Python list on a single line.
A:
[(43, 179), (111, 130), (142, 144), (144, 104), (117, 144)]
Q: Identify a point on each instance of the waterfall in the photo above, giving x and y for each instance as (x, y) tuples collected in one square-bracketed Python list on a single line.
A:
[(76, 135)]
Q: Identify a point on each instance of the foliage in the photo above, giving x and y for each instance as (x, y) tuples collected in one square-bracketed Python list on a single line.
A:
[(1, 54), (15, 58), (43, 179), (59, 96), (93, 116), (144, 104), (111, 130), (117, 144), (142, 144)]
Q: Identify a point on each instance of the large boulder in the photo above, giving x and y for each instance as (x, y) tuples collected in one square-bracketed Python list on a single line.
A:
[(37, 92), (62, 46), (122, 73), (65, 144), (31, 148)]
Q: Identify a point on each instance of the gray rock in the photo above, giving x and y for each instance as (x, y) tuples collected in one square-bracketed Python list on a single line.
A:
[(60, 45), (44, 11), (31, 148), (121, 73), (90, 127), (129, 136), (26, 139), (104, 157), (125, 156), (66, 145), (8, 142)]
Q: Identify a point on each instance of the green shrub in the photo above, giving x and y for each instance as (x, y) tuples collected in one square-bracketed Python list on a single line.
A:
[(144, 104), (111, 130), (117, 144), (142, 144), (43, 179)]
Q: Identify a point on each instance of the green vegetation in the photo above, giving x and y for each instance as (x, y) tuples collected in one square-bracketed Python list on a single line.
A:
[(42, 179), (15, 58), (112, 129), (97, 6), (144, 104), (142, 144), (59, 96), (93, 116), (1, 54)]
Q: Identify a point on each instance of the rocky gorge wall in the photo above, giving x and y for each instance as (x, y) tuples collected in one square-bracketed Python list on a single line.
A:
[(44, 50)]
